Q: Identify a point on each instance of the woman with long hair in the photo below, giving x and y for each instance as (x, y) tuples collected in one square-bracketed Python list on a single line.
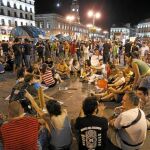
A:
[(141, 70)]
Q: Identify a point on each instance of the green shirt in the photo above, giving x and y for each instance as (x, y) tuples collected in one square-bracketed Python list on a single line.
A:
[(143, 67)]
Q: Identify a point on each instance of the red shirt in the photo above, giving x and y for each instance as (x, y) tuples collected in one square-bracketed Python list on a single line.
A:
[(47, 78), (72, 48), (20, 134)]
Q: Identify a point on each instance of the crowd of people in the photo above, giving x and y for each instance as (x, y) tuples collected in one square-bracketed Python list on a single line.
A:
[(119, 72)]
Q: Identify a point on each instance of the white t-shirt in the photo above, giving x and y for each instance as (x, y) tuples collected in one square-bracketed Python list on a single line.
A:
[(143, 50), (95, 60), (134, 134)]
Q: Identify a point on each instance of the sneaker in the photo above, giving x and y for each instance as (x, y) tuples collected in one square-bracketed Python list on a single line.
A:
[(7, 98)]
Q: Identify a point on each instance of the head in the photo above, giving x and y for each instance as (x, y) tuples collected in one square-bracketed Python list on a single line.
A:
[(15, 109), (44, 68), (129, 57), (101, 61), (29, 70), (129, 79), (62, 62), (29, 78), (97, 52), (130, 100), (53, 107), (142, 93), (26, 40), (16, 40), (20, 73), (90, 106)]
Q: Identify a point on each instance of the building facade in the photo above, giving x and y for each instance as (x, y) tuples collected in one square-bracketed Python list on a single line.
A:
[(143, 29), (15, 13), (55, 24), (119, 33)]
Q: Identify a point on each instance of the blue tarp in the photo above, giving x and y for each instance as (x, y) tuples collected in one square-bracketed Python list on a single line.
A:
[(27, 31)]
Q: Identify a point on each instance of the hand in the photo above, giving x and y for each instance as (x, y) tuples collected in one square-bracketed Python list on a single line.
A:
[(111, 122), (119, 110), (81, 113), (101, 107)]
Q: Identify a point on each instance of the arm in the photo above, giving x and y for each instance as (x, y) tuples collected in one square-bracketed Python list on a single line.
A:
[(34, 104), (137, 74), (119, 91)]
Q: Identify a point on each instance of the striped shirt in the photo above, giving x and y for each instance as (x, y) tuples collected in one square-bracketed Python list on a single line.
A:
[(48, 78), (20, 134)]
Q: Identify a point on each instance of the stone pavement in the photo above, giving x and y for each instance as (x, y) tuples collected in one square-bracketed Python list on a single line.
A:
[(72, 98)]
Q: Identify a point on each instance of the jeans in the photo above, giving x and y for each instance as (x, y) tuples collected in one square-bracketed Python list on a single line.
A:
[(145, 82), (1, 146), (27, 60)]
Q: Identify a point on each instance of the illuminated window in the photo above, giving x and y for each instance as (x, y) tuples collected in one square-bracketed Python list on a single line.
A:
[(8, 4), (9, 22), (2, 22)]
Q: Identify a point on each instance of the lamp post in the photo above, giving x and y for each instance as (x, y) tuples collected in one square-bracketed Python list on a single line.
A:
[(94, 16), (70, 18)]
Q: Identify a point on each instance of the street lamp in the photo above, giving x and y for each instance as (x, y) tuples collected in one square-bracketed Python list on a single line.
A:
[(70, 18), (94, 15)]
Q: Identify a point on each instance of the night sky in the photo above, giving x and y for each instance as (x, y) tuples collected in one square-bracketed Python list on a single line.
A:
[(116, 12)]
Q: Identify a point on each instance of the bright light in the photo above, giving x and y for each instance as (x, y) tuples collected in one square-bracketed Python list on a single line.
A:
[(97, 15), (90, 13), (70, 18), (105, 32), (89, 25), (99, 29), (73, 9), (58, 4)]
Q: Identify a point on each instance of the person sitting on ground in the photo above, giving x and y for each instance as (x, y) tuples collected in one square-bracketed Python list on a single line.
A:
[(85, 70), (91, 126), (47, 76), (9, 63), (62, 69), (17, 92), (21, 131), (95, 58), (142, 93), (58, 123), (119, 80), (117, 94), (75, 68), (98, 72), (129, 127)]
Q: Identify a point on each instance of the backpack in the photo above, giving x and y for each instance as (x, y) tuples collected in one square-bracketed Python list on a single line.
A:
[(15, 94)]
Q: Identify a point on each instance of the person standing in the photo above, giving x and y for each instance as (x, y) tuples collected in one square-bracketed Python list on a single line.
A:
[(27, 53), (17, 53), (106, 52), (127, 49)]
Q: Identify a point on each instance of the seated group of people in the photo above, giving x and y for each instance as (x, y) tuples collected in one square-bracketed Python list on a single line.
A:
[(125, 130), (50, 128)]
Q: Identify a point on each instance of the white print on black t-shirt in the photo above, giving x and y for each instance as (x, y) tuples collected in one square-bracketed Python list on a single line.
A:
[(90, 137)]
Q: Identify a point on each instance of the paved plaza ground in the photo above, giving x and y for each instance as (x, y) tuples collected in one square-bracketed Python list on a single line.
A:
[(72, 98)]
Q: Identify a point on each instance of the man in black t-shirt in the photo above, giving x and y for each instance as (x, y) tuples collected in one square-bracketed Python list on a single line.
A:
[(17, 53), (106, 52), (91, 129)]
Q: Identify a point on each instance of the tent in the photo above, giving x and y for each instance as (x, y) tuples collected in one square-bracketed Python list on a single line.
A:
[(27, 32)]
